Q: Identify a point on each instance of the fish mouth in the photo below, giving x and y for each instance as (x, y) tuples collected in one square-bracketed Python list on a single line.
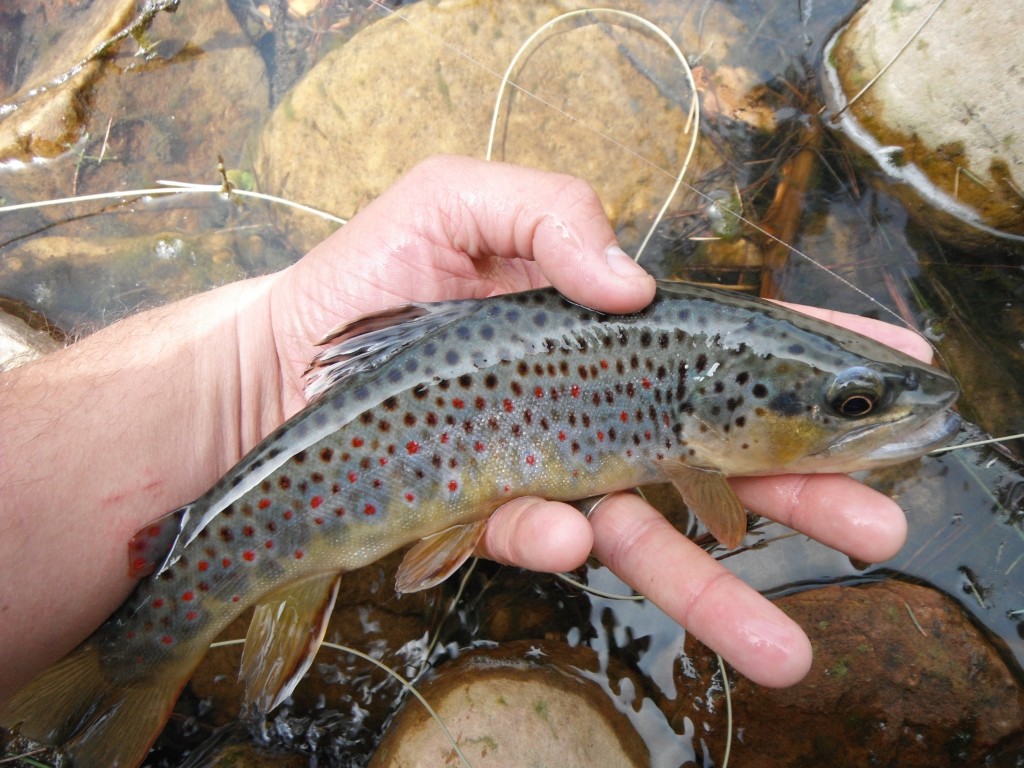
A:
[(934, 432)]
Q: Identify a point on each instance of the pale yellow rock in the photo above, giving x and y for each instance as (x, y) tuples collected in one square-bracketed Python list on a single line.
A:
[(509, 713), (945, 118)]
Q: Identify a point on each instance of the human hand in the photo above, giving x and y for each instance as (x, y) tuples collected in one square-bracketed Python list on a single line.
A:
[(458, 228), (453, 228)]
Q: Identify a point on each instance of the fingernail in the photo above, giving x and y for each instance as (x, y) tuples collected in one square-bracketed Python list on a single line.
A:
[(622, 265)]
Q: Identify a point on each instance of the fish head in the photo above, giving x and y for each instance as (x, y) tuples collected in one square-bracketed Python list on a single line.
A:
[(831, 401)]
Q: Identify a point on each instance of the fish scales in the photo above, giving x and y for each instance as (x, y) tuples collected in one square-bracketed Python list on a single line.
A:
[(458, 407)]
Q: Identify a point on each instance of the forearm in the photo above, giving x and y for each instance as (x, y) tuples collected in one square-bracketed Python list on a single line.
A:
[(100, 438)]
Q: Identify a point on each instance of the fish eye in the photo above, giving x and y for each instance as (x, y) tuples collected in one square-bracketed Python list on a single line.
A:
[(856, 392)]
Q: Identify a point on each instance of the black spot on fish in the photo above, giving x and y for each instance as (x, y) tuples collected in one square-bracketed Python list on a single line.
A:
[(411, 365), (742, 377), (490, 381), (362, 392), (443, 385), (487, 332), (366, 417), (300, 457), (701, 363), (284, 482), (719, 386), (786, 403), (759, 390), (663, 341), (420, 391), (796, 349), (430, 349), (465, 381), (540, 319), (409, 420), (462, 332), (451, 357)]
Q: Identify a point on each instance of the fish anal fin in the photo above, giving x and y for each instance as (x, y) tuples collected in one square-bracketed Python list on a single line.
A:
[(284, 635), (434, 558), (74, 705), (710, 497), (150, 545)]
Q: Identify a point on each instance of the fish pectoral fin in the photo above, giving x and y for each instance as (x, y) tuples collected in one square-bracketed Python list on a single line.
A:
[(434, 558), (287, 628), (148, 548), (710, 497)]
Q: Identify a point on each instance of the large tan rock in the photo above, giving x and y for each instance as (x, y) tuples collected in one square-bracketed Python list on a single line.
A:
[(425, 83)]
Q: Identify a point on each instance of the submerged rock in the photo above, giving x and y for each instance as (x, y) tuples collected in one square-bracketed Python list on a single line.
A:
[(519, 704), (605, 103), (945, 120), (900, 678)]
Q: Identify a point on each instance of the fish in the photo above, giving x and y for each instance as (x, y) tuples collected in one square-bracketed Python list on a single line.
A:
[(425, 418)]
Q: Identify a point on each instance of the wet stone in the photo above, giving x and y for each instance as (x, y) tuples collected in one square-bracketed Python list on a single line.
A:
[(522, 703), (883, 690)]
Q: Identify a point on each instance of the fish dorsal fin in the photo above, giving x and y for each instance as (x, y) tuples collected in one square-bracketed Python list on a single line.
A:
[(148, 548), (710, 497), (371, 339), (434, 558), (287, 628)]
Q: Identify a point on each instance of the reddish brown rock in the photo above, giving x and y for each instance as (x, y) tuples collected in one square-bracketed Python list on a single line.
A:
[(900, 678)]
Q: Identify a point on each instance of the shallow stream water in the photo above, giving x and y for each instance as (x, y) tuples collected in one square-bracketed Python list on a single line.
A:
[(151, 117)]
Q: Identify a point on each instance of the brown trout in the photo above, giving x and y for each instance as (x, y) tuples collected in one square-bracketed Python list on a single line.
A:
[(423, 420)]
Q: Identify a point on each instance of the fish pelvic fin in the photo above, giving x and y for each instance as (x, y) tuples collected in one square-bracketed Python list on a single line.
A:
[(284, 635), (710, 497), (76, 707), (434, 558)]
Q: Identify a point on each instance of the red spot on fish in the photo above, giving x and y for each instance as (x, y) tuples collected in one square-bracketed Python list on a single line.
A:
[(575, 391), (166, 639), (383, 460), (299, 554), (187, 596), (154, 531), (339, 512), (412, 447), (158, 603), (248, 530), (369, 509), (561, 436), (226, 562), (478, 446), (288, 513), (410, 497), (645, 383), (623, 417), (268, 544), (138, 567), (531, 460), (234, 598), (191, 616), (538, 392), (453, 486), (131, 635), (600, 436), (264, 503), (248, 555), (589, 458), (318, 520), (377, 483), (444, 437), (202, 565), (480, 403), (336, 488), (458, 403), (357, 442), (352, 477), (508, 405), (604, 364), (315, 502), (507, 489)]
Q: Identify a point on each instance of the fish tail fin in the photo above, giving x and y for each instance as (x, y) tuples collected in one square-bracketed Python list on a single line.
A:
[(73, 705)]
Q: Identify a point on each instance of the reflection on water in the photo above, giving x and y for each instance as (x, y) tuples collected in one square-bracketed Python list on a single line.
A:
[(170, 112)]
